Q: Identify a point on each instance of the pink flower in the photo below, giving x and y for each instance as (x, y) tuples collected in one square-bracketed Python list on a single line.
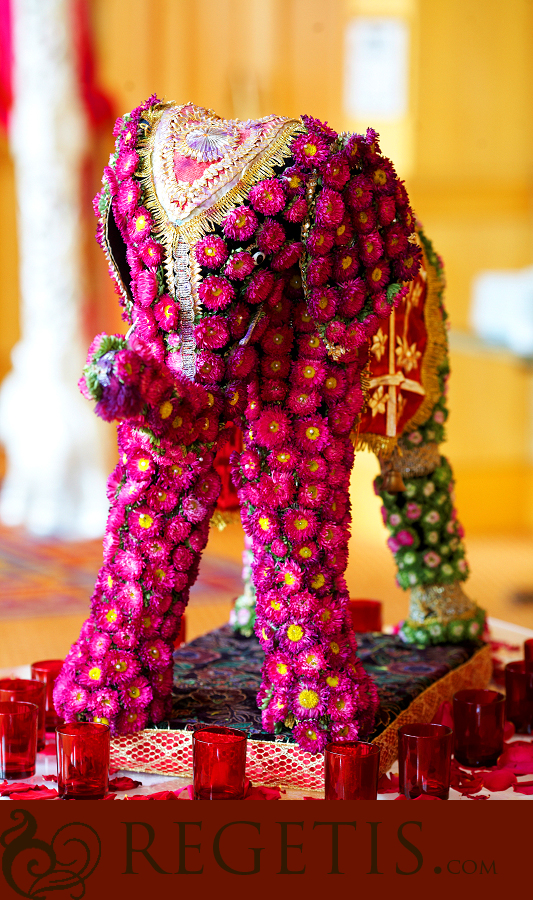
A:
[(239, 266), (156, 654), (273, 606), (386, 210), (323, 303), (343, 234), (312, 433), (308, 700), (263, 525), (310, 737), (131, 721), (166, 313), (359, 192), (296, 210), (329, 208), (211, 333), (290, 576), (432, 559), (413, 511), (287, 256), (140, 225), (151, 253), (267, 197), (306, 553), (270, 236), (297, 637), (346, 264), (309, 373), (311, 662), (365, 220), (140, 466), (303, 403), (272, 428), (309, 150), (193, 510), (377, 276), (336, 172), (260, 286), (136, 694), (211, 251), (146, 288), (406, 267), (396, 241), (319, 271), (277, 340), (383, 177), (216, 292), (370, 248), (300, 525), (128, 564), (294, 180), (381, 306), (313, 468), (128, 196), (143, 522), (278, 669), (127, 161), (123, 666), (240, 224), (320, 241)]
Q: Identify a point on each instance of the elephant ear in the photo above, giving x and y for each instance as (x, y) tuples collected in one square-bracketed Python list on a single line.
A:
[(360, 250)]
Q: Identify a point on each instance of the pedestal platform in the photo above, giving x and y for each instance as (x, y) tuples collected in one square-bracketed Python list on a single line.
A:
[(217, 677)]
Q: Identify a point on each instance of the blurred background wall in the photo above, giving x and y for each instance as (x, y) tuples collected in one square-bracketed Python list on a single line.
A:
[(460, 133)]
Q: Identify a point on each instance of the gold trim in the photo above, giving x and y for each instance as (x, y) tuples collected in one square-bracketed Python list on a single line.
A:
[(476, 672), (191, 231)]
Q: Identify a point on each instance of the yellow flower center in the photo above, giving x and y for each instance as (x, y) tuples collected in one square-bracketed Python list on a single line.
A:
[(332, 680), (168, 311), (409, 262), (320, 240), (305, 552), (318, 582), (121, 666), (275, 604), (312, 491), (147, 621), (376, 274), (140, 223), (95, 674), (281, 668), (109, 581), (132, 716), (295, 633), (160, 574), (340, 704), (165, 409), (283, 457), (264, 523), (306, 317), (216, 292), (313, 465), (210, 399), (289, 578), (154, 653), (308, 699), (323, 302), (309, 372), (176, 470), (111, 615), (331, 383), (340, 230), (346, 262), (380, 177), (363, 217), (134, 692), (312, 433), (303, 398), (274, 427), (143, 464), (145, 521), (278, 339), (334, 647), (177, 422), (301, 524), (241, 221), (101, 720), (275, 365), (310, 734), (310, 149)]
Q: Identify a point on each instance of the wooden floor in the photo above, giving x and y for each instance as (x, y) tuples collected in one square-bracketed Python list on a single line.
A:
[(501, 569)]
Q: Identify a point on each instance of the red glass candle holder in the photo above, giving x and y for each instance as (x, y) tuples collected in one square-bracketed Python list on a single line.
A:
[(18, 738), (351, 771), (219, 763), (47, 671), (424, 756), (519, 696), (181, 636), (528, 653), (82, 760), (366, 615), (27, 692), (478, 721)]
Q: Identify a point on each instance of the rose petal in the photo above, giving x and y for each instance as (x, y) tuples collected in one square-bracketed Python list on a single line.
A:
[(124, 784), (49, 777), (159, 795), (16, 788), (49, 750), (517, 756), (499, 780), (508, 731), (42, 793), (522, 788), (477, 796)]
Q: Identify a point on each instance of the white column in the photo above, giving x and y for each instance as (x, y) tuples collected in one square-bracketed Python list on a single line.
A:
[(55, 481)]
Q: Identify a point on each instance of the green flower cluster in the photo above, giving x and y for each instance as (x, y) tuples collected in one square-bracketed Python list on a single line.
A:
[(425, 537)]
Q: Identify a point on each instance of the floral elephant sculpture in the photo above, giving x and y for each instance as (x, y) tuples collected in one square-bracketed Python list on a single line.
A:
[(254, 261)]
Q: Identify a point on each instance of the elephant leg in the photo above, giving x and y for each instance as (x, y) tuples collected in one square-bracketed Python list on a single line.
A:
[(162, 497)]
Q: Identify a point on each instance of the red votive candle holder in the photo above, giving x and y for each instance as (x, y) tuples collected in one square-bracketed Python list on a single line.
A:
[(219, 763), (18, 738), (528, 653), (351, 771), (181, 636), (82, 760), (27, 692), (519, 696), (366, 615), (478, 721), (424, 757), (47, 671)]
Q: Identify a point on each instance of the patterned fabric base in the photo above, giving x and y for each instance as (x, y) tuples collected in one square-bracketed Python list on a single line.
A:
[(217, 677)]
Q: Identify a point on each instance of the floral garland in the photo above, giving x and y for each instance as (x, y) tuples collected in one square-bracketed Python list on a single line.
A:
[(314, 259)]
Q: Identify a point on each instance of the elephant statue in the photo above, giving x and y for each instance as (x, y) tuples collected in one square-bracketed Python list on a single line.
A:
[(255, 262)]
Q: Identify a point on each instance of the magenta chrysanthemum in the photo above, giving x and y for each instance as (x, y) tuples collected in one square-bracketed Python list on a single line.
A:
[(329, 209), (309, 150), (320, 241), (128, 196), (211, 251), (267, 197), (166, 313), (240, 224), (360, 192), (140, 225), (146, 288), (272, 428), (216, 292), (239, 266), (211, 333)]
